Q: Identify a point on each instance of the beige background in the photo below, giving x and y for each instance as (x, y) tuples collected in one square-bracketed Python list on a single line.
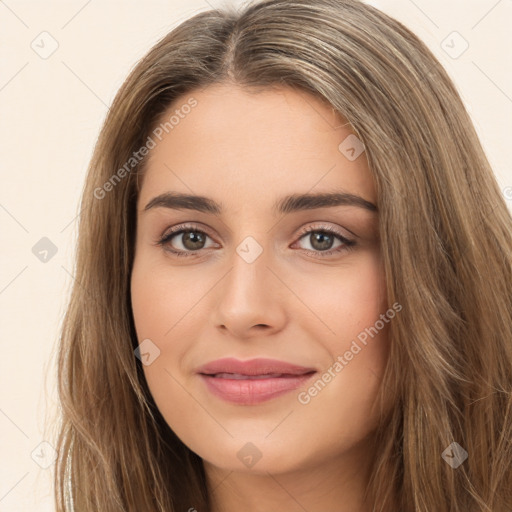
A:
[(51, 111)]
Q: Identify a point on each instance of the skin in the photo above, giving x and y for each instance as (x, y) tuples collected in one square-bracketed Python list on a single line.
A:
[(246, 150)]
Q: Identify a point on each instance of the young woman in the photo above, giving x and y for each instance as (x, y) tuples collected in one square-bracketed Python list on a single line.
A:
[(293, 279)]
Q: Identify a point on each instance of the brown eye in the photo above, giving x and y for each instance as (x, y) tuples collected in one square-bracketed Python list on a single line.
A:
[(322, 239), (184, 241), (193, 240)]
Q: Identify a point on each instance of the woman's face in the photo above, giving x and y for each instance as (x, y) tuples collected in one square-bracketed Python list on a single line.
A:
[(262, 272)]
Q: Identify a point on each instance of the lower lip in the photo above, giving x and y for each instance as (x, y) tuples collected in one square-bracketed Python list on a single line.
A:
[(253, 391)]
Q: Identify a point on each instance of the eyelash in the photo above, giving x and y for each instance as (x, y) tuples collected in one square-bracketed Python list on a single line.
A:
[(177, 230)]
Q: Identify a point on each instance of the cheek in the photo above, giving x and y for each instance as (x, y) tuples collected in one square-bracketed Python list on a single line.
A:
[(346, 301), (162, 310), (353, 315), (166, 304), (163, 299)]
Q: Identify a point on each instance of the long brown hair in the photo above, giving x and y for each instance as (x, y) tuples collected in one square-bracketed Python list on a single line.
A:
[(446, 239)]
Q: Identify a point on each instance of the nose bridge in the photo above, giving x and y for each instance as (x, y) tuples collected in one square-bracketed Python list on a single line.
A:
[(248, 276), (250, 294)]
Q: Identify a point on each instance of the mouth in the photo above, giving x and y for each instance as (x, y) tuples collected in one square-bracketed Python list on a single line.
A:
[(254, 381), (239, 376)]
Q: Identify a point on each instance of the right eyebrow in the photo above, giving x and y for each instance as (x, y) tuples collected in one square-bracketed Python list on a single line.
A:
[(285, 205)]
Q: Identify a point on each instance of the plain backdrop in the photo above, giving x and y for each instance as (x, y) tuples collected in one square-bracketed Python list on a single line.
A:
[(61, 65)]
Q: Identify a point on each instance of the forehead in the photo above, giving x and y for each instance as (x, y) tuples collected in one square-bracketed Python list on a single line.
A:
[(241, 146)]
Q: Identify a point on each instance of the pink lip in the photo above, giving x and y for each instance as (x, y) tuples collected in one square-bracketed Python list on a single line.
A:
[(242, 382)]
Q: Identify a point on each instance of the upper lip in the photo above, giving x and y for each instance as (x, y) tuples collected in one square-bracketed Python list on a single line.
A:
[(259, 366)]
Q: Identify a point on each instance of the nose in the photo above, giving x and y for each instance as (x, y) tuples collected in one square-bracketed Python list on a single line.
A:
[(251, 299)]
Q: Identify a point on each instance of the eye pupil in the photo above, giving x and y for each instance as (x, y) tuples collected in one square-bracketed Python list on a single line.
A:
[(322, 238), (192, 240)]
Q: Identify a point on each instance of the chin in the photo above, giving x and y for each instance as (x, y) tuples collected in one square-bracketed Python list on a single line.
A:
[(253, 457)]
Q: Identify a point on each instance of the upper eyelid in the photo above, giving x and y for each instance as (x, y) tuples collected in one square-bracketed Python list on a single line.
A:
[(186, 226), (179, 228)]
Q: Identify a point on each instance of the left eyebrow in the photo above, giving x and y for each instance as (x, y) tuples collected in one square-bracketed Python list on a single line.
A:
[(297, 202), (285, 205)]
